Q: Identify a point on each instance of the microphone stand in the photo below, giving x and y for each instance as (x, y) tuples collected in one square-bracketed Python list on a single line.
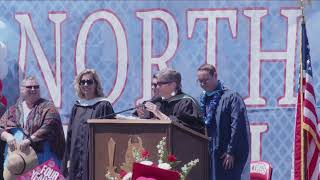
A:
[(112, 115), (154, 100)]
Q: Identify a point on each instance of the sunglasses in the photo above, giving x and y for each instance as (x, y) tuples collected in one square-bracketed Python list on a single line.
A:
[(87, 81), (34, 87)]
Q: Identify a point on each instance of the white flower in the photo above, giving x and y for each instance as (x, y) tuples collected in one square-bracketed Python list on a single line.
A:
[(128, 176), (109, 177), (165, 166), (184, 168), (187, 167), (148, 163)]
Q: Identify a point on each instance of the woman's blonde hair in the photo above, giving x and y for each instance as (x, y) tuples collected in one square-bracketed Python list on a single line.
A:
[(99, 89)]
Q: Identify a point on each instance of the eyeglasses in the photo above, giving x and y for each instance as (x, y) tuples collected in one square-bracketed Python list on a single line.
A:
[(162, 83), (34, 87), (86, 81), (203, 81)]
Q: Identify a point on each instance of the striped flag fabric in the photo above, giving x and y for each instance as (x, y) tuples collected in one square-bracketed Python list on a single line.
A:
[(307, 132), (3, 100)]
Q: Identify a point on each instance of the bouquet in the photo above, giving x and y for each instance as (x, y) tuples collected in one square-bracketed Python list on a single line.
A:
[(166, 161)]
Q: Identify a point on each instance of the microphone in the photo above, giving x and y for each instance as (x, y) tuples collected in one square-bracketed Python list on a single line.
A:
[(112, 115), (153, 100)]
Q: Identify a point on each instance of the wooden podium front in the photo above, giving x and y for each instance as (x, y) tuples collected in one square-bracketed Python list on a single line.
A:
[(112, 140)]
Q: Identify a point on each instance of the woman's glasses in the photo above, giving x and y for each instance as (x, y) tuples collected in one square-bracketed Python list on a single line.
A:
[(86, 81)]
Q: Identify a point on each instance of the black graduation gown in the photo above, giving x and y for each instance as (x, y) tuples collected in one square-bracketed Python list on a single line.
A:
[(184, 109), (77, 149)]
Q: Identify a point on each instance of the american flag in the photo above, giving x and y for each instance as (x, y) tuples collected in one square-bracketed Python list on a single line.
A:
[(307, 131)]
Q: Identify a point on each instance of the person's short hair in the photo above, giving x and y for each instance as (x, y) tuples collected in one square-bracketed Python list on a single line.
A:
[(208, 67), (99, 89), (29, 78), (170, 75)]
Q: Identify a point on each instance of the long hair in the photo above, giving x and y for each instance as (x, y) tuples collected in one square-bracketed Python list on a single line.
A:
[(99, 89)]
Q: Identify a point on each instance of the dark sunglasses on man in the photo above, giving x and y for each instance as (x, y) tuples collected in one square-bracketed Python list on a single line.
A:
[(86, 81), (32, 87)]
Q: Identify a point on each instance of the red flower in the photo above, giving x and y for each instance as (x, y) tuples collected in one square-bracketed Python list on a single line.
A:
[(145, 154), (122, 173), (172, 158)]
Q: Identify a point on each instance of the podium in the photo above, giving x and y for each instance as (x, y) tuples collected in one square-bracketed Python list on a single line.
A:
[(112, 140)]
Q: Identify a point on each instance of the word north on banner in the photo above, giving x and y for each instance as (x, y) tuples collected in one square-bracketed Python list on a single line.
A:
[(175, 39)]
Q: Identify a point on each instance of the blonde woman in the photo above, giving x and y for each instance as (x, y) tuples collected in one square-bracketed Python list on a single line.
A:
[(91, 104)]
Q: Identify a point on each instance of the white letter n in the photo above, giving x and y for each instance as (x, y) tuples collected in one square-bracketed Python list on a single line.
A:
[(52, 79)]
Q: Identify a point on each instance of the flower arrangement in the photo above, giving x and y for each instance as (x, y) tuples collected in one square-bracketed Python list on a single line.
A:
[(166, 161)]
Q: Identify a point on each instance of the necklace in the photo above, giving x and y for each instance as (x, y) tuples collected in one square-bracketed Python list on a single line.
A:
[(209, 109)]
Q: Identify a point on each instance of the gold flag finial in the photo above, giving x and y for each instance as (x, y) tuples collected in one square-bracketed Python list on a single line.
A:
[(302, 9)]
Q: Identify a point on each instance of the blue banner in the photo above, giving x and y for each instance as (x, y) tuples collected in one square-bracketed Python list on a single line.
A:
[(254, 45)]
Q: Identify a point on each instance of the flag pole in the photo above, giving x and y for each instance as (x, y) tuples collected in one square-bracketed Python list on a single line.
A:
[(303, 172)]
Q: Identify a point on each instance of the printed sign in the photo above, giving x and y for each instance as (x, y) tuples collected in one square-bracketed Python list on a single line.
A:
[(47, 171)]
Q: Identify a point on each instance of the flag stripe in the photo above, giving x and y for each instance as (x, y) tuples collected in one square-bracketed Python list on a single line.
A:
[(312, 146), (309, 110), (311, 128), (309, 87), (314, 167), (310, 99), (313, 160)]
